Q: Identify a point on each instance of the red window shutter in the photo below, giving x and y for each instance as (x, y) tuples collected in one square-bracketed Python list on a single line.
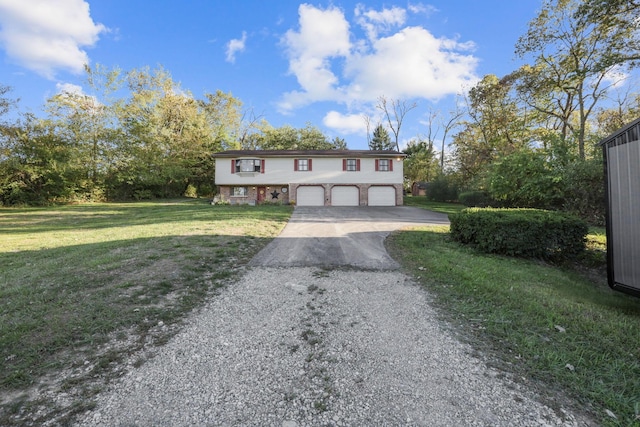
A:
[(233, 166), (295, 164), (309, 163), (377, 165), (344, 164), (358, 164), (390, 165), (262, 166)]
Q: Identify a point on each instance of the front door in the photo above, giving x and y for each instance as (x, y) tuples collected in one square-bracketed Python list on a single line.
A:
[(261, 193)]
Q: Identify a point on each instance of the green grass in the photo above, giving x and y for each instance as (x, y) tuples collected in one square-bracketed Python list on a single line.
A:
[(83, 286), (422, 202), (513, 311)]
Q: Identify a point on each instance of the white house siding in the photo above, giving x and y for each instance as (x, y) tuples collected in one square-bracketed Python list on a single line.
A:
[(325, 171)]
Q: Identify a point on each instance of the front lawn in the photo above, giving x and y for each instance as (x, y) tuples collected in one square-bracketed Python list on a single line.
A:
[(83, 286), (422, 202)]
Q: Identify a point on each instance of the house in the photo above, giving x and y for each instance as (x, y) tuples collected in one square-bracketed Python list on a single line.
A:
[(621, 152), (311, 178)]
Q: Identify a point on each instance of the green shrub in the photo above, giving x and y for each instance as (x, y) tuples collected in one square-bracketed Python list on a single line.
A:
[(525, 179), (475, 198), (442, 189), (584, 190), (528, 233)]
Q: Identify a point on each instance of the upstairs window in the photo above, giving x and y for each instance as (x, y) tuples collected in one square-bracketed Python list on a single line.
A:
[(247, 165), (351, 165), (384, 165), (302, 165)]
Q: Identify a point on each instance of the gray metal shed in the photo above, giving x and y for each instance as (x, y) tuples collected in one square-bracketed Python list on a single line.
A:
[(621, 152)]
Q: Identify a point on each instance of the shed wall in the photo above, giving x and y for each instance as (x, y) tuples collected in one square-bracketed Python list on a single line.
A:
[(622, 154)]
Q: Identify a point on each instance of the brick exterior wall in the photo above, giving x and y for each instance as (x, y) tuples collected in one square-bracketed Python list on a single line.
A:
[(225, 192)]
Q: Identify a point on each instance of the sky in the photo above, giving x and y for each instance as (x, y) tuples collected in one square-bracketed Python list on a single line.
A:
[(325, 63)]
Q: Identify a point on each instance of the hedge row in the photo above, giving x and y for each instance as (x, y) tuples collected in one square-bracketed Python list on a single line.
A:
[(529, 233)]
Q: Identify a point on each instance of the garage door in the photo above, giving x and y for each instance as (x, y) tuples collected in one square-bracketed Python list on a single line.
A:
[(310, 195), (382, 196), (345, 195)]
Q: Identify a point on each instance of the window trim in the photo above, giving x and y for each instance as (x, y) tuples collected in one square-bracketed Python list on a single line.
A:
[(345, 165), (389, 165), (258, 166), (296, 165)]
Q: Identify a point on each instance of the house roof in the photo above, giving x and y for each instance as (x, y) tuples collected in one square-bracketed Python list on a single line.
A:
[(309, 153)]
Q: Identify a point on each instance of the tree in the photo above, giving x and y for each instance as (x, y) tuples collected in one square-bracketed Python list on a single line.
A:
[(5, 106), (40, 167), (266, 137), (224, 119), (619, 19), (86, 125), (525, 179), (452, 122), (394, 111), (282, 138), (5, 103), (312, 138), (381, 139), (339, 143), (169, 137), (496, 127), (572, 58), (421, 163), (624, 109)]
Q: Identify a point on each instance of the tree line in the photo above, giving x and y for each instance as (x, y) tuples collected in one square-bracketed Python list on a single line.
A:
[(530, 138), (134, 135)]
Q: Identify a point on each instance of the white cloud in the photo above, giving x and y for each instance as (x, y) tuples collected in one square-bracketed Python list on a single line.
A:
[(69, 88), (47, 35), (375, 22), (425, 9), (345, 123), (234, 46), (409, 62), (616, 77), (324, 34)]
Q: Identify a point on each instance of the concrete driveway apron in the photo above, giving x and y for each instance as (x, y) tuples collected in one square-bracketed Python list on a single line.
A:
[(342, 236)]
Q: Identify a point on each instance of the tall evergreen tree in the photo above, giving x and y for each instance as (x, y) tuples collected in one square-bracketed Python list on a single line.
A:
[(381, 139)]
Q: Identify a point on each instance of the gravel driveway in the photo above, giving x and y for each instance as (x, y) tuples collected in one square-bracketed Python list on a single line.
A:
[(308, 337)]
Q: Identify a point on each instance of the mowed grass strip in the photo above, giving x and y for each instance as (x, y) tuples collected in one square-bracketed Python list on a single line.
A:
[(82, 286), (550, 324), (422, 202)]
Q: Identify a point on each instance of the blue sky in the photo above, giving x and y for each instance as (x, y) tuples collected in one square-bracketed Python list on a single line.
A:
[(325, 63)]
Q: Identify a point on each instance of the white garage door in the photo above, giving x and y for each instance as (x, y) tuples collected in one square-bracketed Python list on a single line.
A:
[(382, 196), (345, 195), (310, 195)]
